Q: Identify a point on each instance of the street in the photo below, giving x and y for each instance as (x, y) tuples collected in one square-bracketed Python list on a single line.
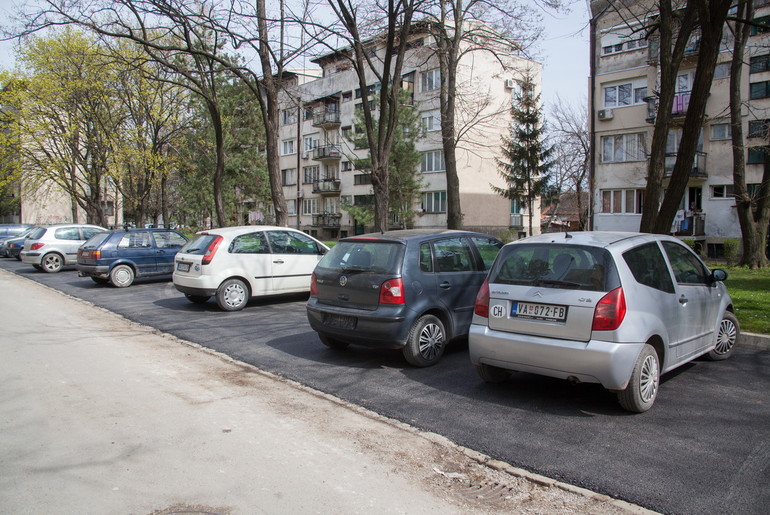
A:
[(703, 448)]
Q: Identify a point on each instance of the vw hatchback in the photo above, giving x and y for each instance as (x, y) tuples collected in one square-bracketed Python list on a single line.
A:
[(618, 309), (411, 290), (234, 264), (52, 247), (118, 257)]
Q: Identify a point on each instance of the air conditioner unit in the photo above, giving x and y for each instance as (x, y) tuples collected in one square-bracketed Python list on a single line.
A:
[(509, 84), (605, 114)]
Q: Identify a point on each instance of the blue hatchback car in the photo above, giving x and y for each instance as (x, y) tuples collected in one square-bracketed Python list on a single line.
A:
[(120, 256)]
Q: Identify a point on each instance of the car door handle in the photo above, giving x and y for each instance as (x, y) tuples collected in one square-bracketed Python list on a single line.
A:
[(445, 285), (278, 261), (683, 300)]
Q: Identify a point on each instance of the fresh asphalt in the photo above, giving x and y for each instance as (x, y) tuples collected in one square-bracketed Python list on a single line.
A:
[(704, 448)]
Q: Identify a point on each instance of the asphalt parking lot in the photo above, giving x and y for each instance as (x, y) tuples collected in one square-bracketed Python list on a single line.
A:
[(703, 448)]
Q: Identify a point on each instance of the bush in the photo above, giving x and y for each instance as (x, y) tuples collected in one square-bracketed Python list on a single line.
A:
[(730, 248)]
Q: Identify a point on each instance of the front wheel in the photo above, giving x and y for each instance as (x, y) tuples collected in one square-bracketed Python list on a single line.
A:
[(426, 342), (122, 276), (232, 295), (642, 388), (727, 337), (52, 263)]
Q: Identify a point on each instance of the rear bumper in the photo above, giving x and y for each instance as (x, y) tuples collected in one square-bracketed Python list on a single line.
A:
[(196, 291), (594, 361), (30, 258), (383, 328), (102, 271)]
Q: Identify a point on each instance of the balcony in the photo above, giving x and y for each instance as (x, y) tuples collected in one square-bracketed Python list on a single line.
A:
[(326, 117), (327, 153), (517, 220), (327, 187), (694, 225), (326, 220), (681, 101), (698, 166)]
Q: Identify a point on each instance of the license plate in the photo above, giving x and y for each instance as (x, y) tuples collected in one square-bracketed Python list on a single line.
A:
[(546, 312), (340, 321), (183, 267)]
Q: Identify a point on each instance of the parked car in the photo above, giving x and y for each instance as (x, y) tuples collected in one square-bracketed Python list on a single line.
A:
[(11, 246), (234, 264), (52, 247), (120, 256), (618, 309), (412, 290)]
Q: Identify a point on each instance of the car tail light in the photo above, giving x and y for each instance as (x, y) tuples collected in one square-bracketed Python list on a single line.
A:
[(610, 311), (37, 246), (313, 284), (213, 246), (482, 301), (392, 292)]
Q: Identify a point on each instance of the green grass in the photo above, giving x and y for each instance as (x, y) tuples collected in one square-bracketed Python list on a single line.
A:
[(750, 291)]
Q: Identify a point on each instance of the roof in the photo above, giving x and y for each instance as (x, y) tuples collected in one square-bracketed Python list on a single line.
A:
[(406, 234), (591, 238)]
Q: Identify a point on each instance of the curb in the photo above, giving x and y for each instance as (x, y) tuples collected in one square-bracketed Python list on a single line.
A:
[(754, 341)]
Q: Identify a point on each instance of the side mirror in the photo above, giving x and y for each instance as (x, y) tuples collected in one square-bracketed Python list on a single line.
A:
[(717, 275), (322, 250)]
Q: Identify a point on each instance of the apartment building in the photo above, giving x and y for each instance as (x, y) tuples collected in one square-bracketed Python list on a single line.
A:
[(623, 80), (317, 154)]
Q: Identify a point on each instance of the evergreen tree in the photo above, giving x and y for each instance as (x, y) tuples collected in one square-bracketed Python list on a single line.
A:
[(525, 161)]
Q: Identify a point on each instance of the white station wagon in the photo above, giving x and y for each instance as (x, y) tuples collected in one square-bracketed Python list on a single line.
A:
[(617, 309), (237, 263)]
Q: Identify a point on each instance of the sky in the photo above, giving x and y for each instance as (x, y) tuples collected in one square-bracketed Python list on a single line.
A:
[(564, 53)]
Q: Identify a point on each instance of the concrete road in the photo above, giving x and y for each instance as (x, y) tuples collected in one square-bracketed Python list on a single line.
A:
[(105, 416)]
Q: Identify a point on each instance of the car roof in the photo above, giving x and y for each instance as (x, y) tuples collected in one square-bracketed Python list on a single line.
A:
[(404, 235), (224, 231), (593, 238)]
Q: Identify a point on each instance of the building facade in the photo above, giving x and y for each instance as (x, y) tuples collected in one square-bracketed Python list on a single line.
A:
[(317, 151), (623, 81)]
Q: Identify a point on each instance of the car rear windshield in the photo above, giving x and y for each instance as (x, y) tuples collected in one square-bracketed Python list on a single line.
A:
[(365, 255), (198, 244), (556, 266), (96, 240), (37, 233)]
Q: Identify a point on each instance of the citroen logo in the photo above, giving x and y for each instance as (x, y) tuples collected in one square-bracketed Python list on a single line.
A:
[(538, 293), (343, 280)]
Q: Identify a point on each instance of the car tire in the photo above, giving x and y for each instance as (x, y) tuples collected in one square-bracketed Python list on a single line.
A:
[(122, 276), (232, 295), (643, 386), (100, 280), (52, 263), (197, 299), (37, 267), (426, 342), (727, 337), (492, 374), (332, 343)]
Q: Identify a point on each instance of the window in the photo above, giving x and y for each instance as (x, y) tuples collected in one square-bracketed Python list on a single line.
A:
[(346, 166), (621, 39), (310, 174), (433, 161), (622, 201), (68, 233), (759, 89), (759, 63), (362, 178), (287, 147), (687, 267), (758, 128), (310, 206), (721, 131), (288, 116), (290, 242), (291, 207), (722, 71), (623, 148), (135, 240), (757, 155), (310, 142), (434, 202), (288, 176), (453, 255), (431, 121), (347, 132), (722, 191), (649, 268), (168, 239), (621, 95), (430, 80), (252, 243), (761, 25), (488, 249), (347, 96)]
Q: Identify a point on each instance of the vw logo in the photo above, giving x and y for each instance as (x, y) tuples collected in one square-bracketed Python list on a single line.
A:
[(343, 280)]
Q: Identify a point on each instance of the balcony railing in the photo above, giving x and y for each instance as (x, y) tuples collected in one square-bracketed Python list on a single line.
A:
[(327, 220), (681, 101), (326, 117), (327, 186), (327, 153), (698, 166), (517, 220), (694, 225)]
